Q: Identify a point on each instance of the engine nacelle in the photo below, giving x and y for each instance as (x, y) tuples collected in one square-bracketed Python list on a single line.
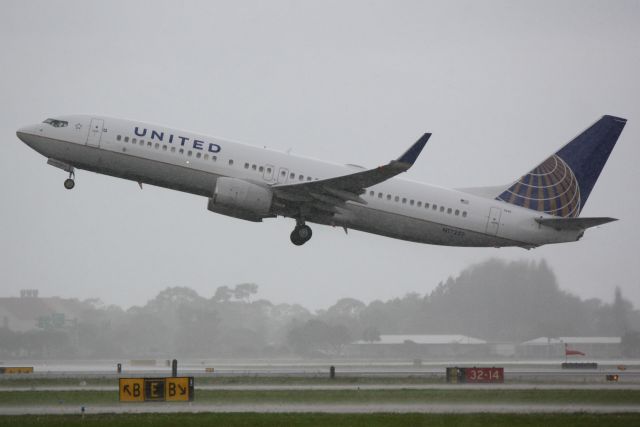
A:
[(241, 199)]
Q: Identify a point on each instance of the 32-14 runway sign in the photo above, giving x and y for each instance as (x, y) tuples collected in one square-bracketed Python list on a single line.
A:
[(170, 389), (484, 375)]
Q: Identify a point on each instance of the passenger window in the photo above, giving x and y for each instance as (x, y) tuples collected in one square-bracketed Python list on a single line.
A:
[(164, 148), (419, 204), (198, 154), (206, 157), (149, 144), (441, 208), (181, 151), (379, 195), (457, 212), (449, 211), (397, 198), (464, 214), (309, 178), (411, 202), (301, 177), (372, 193), (134, 140), (189, 153), (261, 169), (246, 165), (141, 142), (283, 173), (404, 200), (157, 145), (126, 139), (268, 170), (435, 207), (426, 205), (230, 162), (173, 149), (254, 167), (119, 137), (214, 158), (388, 196)]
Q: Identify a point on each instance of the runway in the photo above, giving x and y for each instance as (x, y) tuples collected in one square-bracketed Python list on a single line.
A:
[(314, 368), (353, 387), (440, 408)]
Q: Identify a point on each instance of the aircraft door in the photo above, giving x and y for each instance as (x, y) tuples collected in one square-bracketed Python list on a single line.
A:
[(493, 223), (282, 175), (95, 132), (268, 172)]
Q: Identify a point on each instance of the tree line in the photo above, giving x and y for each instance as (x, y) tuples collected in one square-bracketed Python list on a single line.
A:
[(496, 301)]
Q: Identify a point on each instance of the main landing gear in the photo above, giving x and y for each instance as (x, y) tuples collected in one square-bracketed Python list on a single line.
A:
[(301, 234), (69, 183)]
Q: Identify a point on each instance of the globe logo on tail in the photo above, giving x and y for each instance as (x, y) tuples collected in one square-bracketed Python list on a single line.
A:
[(551, 188)]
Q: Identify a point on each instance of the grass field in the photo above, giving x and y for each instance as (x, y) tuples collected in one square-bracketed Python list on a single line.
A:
[(28, 381), (608, 397), (312, 420)]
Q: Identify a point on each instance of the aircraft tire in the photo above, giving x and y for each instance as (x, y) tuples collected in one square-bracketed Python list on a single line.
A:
[(69, 183), (301, 235)]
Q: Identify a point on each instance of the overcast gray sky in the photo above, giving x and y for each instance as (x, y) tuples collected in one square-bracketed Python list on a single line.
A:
[(501, 84)]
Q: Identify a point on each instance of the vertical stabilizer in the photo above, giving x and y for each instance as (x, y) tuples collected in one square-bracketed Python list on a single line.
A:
[(561, 184)]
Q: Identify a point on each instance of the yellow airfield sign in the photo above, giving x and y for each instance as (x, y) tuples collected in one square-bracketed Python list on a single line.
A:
[(16, 370), (179, 389), (132, 389), (170, 389)]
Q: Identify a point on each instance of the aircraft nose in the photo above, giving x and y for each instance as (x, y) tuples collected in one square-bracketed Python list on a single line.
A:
[(20, 132), (24, 132)]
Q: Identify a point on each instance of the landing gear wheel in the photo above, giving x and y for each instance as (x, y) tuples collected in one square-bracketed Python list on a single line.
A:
[(301, 235), (69, 183)]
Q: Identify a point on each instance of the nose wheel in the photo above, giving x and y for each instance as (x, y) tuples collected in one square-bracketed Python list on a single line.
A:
[(301, 234), (69, 183)]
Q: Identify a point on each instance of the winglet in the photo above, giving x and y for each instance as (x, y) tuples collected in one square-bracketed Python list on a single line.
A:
[(410, 156)]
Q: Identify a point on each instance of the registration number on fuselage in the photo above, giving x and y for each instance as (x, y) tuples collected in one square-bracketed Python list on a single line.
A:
[(453, 232)]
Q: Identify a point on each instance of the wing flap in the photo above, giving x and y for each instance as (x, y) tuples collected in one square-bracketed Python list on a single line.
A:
[(573, 223)]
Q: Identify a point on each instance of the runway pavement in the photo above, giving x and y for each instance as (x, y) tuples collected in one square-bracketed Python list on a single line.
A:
[(329, 387), (322, 408)]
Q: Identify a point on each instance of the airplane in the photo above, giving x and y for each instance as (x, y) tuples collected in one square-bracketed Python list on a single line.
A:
[(254, 183)]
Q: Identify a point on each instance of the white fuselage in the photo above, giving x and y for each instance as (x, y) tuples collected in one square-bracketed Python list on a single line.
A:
[(192, 163)]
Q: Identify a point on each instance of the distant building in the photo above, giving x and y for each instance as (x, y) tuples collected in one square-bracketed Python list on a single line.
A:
[(28, 293), (554, 348), (419, 346), (29, 312)]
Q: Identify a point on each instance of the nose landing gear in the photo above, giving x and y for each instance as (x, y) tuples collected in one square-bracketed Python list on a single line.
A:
[(301, 234), (69, 183)]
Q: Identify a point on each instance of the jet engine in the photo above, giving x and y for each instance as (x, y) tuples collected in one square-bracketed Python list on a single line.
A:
[(241, 199)]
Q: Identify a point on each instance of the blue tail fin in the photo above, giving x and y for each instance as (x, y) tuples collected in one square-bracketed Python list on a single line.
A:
[(561, 184)]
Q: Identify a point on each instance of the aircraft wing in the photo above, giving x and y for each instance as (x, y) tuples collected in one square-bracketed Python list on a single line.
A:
[(329, 194), (573, 223)]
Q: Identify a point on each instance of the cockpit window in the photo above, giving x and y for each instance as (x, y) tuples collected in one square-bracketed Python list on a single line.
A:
[(56, 123)]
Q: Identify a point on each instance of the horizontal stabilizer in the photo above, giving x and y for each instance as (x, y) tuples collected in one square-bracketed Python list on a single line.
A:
[(573, 223)]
